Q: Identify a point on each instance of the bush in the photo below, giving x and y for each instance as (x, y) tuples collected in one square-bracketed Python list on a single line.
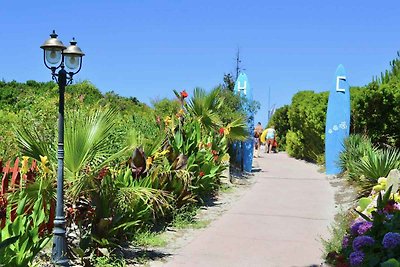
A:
[(356, 147), (280, 120), (294, 145), (306, 117)]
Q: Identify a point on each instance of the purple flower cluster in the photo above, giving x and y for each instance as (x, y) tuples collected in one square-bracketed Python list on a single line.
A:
[(360, 227), (356, 258), (391, 240), (364, 227), (362, 241), (354, 227)]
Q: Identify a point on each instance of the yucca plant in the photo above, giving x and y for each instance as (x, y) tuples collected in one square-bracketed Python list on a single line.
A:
[(376, 164), (379, 163), (356, 147)]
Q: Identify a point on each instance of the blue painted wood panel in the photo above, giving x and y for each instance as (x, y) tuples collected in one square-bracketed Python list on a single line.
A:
[(337, 120)]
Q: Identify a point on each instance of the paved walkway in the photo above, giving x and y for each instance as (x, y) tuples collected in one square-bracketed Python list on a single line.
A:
[(277, 222)]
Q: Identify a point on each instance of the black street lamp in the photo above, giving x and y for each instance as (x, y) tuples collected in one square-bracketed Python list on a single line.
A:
[(57, 56)]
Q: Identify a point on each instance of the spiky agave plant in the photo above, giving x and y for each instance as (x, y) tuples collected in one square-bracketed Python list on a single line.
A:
[(377, 164), (356, 147)]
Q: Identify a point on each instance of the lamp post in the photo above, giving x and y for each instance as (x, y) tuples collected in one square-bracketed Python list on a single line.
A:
[(57, 56)]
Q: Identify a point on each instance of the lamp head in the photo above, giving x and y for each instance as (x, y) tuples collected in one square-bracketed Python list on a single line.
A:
[(73, 56), (53, 48)]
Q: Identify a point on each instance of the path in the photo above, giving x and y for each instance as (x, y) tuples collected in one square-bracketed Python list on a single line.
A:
[(277, 222)]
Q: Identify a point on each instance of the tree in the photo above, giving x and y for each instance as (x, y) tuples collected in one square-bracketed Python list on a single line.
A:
[(229, 82)]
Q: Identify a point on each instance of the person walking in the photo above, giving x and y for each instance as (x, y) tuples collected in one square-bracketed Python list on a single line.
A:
[(270, 137), (257, 144)]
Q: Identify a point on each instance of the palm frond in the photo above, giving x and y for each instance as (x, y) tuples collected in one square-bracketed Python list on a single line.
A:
[(31, 144), (237, 130), (86, 140)]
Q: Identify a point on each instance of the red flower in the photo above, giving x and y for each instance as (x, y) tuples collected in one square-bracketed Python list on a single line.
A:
[(215, 157), (209, 145), (221, 131), (184, 94), (201, 174), (214, 152)]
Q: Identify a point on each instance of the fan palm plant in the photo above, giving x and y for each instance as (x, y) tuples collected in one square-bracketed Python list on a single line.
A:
[(87, 149), (202, 107)]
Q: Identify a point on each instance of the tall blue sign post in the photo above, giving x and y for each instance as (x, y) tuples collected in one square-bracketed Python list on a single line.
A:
[(337, 120), (244, 150)]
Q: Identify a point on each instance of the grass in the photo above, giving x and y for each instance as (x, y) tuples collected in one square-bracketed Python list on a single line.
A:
[(337, 232), (108, 262), (185, 218), (149, 239), (224, 188)]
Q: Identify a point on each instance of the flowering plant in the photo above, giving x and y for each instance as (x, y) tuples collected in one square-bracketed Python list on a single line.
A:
[(184, 94), (372, 240)]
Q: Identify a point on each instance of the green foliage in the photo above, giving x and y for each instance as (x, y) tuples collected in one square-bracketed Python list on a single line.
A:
[(8, 146), (365, 164), (33, 105), (165, 107), (231, 109), (356, 147), (377, 113), (294, 144), (374, 113), (22, 239), (280, 120), (110, 196), (105, 261), (149, 239), (337, 231), (229, 82), (376, 164), (306, 117), (185, 217)]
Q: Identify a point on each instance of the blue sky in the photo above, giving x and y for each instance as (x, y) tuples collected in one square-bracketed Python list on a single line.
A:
[(147, 48)]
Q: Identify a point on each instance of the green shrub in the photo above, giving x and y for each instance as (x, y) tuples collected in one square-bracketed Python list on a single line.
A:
[(376, 164), (356, 147), (280, 120), (294, 145), (306, 117)]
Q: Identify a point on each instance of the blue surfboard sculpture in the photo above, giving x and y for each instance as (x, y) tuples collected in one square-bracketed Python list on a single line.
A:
[(337, 120), (244, 150)]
